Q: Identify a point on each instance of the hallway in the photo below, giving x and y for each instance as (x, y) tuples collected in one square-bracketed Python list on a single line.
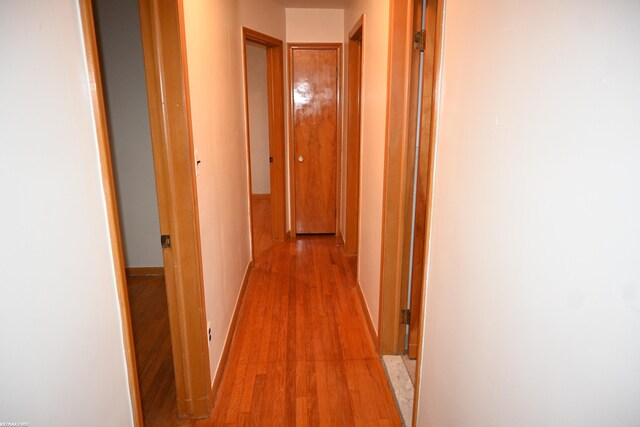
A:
[(302, 354)]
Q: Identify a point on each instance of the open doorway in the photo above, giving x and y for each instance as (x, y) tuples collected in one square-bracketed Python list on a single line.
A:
[(264, 109), (259, 155), (127, 112), (408, 171), (174, 171), (415, 37)]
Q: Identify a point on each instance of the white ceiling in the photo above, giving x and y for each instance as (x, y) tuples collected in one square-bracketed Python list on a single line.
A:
[(316, 4)]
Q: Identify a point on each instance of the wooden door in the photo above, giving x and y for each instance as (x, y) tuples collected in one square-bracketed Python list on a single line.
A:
[(314, 86), (425, 160)]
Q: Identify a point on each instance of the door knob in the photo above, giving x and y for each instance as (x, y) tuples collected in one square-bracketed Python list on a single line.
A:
[(300, 159)]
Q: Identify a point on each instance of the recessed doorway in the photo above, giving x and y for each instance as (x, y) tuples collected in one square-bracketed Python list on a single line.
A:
[(314, 77), (174, 170), (119, 43), (264, 109)]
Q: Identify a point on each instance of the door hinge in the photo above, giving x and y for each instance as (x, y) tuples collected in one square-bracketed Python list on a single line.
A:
[(419, 40), (165, 240), (405, 317), (270, 159)]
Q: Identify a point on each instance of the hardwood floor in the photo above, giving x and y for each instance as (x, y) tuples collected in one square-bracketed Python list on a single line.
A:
[(261, 212), (302, 354), (152, 342)]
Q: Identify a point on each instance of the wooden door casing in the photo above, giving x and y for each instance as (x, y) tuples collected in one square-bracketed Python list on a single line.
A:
[(275, 100), (423, 184), (315, 96), (352, 164)]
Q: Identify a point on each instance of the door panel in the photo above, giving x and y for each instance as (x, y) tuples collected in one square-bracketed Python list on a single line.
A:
[(315, 112), (422, 186)]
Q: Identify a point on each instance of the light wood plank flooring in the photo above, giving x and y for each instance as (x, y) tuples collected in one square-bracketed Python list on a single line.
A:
[(152, 343), (302, 354), (261, 211)]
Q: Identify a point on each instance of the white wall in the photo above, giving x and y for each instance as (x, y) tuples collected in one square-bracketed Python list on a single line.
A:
[(130, 136), (258, 118), (315, 25), (374, 113), (214, 55), (533, 309), (62, 359)]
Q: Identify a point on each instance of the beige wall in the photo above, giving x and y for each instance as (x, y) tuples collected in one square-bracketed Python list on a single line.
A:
[(315, 25), (533, 309), (265, 16), (130, 137), (62, 348), (258, 118), (214, 47), (374, 105)]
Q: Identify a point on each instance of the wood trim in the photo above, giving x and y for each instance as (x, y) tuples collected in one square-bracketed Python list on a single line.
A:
[(395, 164), (357, 31), (106, 172), (435, 10), (339, 142), (315, 45), (144, 271), (423, 125), (275, 99), (260, 196), (261, 38), (231, 333), (355, 64), (292, 185), (339, 238), (367, 315), (412, 124), (166, 75), (247, 131), (275, 87)]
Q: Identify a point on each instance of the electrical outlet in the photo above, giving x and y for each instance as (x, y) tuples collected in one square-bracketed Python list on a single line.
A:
[(209, 330)]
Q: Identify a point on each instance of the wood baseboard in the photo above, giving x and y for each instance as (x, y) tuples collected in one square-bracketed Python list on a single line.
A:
[(144, 271), (260, 196), (367, 315), (230, 334)]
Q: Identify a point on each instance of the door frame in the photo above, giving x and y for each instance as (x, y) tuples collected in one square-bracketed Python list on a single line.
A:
[(291, 47), (355, 62), (415, 269), (162, 31), (399, 126), (275, 101), (163, 44), (400, 131), (108, 186), (394, 188)]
